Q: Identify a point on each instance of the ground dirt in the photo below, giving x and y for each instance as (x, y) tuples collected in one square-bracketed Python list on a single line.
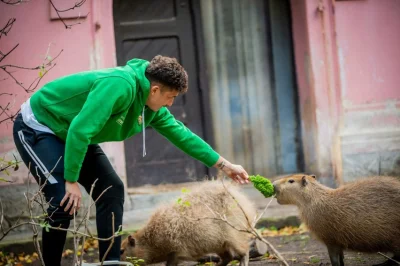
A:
[(297, 249)]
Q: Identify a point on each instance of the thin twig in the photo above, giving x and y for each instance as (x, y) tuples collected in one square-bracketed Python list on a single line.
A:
[(88, 212), (104, 191), (389, 258), (49, 63), (12, 117), (35, 231), (262, 213), (9, 52), (74, 240), (6, 29), (34, 228), (112, 240), (13, 2), (253, 231), (2, 217), (8, 166), (78, 4), (61, 229)]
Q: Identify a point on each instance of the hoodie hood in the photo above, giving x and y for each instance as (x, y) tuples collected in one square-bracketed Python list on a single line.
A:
[(138, 69)]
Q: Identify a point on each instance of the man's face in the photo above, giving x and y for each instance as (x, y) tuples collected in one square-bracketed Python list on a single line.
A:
[(160, 97)]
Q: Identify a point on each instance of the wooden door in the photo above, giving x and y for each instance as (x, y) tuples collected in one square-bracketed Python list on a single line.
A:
[(144, 29)]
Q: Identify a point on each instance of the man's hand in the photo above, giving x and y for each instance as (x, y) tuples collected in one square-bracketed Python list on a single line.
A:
[(73, 195), (234, 171)]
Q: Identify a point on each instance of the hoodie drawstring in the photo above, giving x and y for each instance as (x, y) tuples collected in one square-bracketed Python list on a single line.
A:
[(144, 134)]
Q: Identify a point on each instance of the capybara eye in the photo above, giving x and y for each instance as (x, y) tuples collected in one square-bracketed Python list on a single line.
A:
[(122, 251), (291, 181)]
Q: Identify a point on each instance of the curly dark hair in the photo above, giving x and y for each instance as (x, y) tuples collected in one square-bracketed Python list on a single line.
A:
[(168, 72)]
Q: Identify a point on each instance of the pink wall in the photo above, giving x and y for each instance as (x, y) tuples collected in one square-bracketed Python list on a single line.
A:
[(369, 50), (347, 59), (87, 46), (369, 63)]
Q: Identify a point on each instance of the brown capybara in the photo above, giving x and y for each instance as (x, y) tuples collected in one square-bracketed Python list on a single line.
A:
[(361, 216), (192, 226)]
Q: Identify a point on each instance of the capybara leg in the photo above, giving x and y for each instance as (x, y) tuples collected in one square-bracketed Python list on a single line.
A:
[(209, 258), (336, 255), (244, 261), (226, 257), (172, 259), (242, 251)]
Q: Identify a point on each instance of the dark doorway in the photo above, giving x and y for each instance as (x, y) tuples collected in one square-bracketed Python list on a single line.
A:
[(144, 29)]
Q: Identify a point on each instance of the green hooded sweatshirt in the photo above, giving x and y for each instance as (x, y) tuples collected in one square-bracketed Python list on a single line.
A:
[(104, 105)]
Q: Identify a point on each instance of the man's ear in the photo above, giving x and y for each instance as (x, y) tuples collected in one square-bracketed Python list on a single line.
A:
[(154, 89), (131, 240), (304, 181)]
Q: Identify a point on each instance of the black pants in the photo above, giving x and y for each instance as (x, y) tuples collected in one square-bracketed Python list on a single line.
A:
[(41, 151)]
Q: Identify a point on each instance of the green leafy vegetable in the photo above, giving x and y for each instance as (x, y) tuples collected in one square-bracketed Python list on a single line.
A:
[(263, 185)]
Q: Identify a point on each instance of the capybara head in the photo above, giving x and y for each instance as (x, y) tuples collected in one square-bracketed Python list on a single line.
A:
[(291, 189), (129, 248)]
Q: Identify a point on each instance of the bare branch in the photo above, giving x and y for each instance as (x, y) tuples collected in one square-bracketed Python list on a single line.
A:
[(389, 258), (4, 110), (10, 164), (2, 217), (77, 4), (12, 117), (2, 56), (112, 240), (249, 228), (7, 27), (87, 219), (13, 2), (86, 214), (49, 63), (58, 11), (61, 229), (262, 213)]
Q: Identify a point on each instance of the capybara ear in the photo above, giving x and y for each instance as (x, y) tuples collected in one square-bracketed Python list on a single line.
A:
[(314, 176), (131, 240), (304, 181)]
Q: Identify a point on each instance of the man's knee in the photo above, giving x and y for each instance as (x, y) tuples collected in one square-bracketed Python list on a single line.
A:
[(119, 189), (56, 216), (115, 189)]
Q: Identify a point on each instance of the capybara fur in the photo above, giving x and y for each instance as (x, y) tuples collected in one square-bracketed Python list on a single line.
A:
[(362, 216), (192, 226)]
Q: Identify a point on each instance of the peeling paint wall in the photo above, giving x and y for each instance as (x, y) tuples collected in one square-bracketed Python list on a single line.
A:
[(347, 59), (369, 57)]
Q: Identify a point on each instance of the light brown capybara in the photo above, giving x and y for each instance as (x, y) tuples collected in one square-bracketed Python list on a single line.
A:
[(190, 227), (361, 216)]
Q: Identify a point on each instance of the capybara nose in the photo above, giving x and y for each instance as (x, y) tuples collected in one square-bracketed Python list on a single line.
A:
[(275, 187)]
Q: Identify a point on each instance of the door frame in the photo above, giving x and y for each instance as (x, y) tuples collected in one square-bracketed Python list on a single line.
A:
[(203, 78)]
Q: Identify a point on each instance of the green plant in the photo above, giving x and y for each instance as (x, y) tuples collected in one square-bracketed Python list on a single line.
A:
[(263, 185), (314, 259), (135, 261)]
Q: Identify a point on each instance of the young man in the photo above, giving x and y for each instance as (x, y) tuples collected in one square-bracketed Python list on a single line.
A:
[(70, 116)]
